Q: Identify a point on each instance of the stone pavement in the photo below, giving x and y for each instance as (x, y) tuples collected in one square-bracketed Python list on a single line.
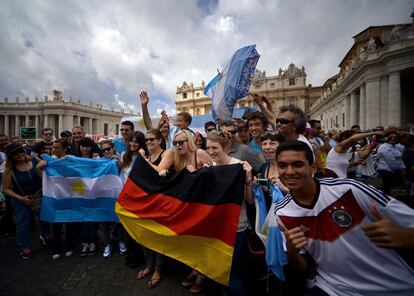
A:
[(90, 275)]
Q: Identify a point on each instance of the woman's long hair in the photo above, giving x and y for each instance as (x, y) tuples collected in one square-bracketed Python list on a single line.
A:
[(10, 162), (140, 138), (180, 161), (85, 142)]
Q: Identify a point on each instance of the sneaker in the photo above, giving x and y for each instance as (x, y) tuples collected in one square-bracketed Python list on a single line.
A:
[(92, 249), (69, 252), (189, 280), (46, 239), (122, 247), (84, 250), (55, 256), (26, 253), (107, 251), (198, 286)]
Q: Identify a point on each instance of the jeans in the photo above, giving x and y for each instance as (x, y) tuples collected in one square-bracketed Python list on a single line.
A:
[(236, 284), (88, 232), (117, 227), (153, 259), (24, 218), (57, 236)]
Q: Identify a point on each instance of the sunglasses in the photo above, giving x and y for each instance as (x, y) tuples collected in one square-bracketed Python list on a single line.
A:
[(106, 149), (270, 133), (124, 130), (210, 129), (179, 142), (283, 121), (47, 134), (150, 139)]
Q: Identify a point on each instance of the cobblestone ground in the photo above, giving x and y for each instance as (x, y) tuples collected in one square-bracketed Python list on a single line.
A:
[(90, 275)]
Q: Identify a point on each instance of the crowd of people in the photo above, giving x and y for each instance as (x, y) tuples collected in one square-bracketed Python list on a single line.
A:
[(343, 250)]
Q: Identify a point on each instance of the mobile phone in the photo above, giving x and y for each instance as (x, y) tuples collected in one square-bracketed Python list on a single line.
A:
[(263, 182)]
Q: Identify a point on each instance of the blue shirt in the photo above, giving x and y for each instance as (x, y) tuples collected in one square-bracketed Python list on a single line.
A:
[(258, 150), (120, 146), (390, 157)]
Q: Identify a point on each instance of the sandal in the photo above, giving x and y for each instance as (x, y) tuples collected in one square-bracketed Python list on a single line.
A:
[(143, 274), (154, 281)]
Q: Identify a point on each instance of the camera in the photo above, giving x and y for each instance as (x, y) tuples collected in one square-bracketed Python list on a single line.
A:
[(263, 182)]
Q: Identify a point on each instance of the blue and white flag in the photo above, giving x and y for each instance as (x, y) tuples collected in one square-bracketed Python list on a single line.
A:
[(267, 228), (80, 189), (233, 83)]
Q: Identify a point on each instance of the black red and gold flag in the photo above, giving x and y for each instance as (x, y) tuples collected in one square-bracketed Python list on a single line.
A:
[(191, 217)]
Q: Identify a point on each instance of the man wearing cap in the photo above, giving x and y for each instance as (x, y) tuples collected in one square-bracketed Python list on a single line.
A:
[(45, 146), (67, 135)]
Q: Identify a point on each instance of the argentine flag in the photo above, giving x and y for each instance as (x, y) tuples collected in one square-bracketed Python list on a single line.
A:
[(267, 229), (233, 82), (80, 189)]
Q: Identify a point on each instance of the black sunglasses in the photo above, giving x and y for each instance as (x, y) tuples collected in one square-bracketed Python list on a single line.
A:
[(233, 132), (106, 149), (210, 129), (179, 142), (150, 139), (283, 121)]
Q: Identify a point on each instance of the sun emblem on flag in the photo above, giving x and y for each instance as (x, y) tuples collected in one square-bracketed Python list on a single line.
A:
[(78, 187)]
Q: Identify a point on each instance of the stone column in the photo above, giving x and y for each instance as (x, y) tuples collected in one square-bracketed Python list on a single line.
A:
[(362, 109), (354, 108), (6, 125), (90, 125), (26, 121), (60, 125), (348, 112), (372, 105), (37, 126), (78, 120), (45, 121), (394, 99), (16, 126)]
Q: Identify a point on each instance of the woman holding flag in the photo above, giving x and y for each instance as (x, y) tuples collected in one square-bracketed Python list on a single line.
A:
[(156, 146), (218, 146)]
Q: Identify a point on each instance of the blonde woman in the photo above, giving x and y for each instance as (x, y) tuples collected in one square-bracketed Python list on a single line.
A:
[(185, 155)]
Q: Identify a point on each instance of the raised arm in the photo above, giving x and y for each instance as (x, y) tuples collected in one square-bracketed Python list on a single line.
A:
[(265, 106), (343, 146), (144, 105)]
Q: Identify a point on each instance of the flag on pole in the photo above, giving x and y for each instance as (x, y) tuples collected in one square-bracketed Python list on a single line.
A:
[(79, 189), (191, 217), (233, 83), (268, 230)]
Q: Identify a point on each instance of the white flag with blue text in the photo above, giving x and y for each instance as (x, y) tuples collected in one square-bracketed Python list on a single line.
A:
[(80, 189)]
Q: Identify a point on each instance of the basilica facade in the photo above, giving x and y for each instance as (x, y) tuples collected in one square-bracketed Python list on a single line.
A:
[(375, 83), (58, 114), (288, 86)]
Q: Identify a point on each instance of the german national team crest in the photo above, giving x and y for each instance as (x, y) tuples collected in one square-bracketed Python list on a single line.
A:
[(342, 218)]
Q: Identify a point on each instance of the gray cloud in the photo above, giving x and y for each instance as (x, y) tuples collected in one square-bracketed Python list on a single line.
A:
[(94, 50)]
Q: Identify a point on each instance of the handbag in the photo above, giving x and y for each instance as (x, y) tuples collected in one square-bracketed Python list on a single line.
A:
[(36, 197)]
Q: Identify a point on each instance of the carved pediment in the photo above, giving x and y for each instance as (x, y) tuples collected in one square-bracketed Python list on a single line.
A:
[(292, 71)]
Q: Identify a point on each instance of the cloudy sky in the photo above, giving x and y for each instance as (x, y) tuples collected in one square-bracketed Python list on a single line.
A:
[(106, 51)]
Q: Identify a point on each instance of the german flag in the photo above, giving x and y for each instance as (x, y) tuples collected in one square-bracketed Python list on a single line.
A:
[(191, 217)]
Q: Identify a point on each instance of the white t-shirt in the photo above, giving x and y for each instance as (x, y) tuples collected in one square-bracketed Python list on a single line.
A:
[(338, 162), (348, 262), (243, 220)]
